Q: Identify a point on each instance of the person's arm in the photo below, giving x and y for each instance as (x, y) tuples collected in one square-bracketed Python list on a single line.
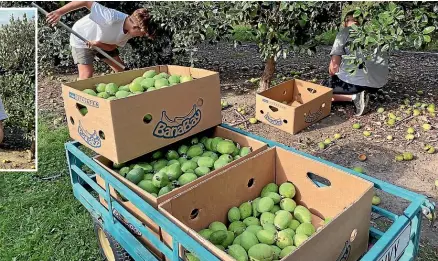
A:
[(337, 52), (54, 17), (335, 62), (103, 46)]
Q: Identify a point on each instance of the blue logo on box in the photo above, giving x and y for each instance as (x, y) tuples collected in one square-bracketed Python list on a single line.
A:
[(91, 139), (168, 129), (83, 100), (273, 121)]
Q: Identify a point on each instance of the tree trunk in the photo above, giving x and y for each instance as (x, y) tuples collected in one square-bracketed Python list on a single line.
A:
[(265, 80)]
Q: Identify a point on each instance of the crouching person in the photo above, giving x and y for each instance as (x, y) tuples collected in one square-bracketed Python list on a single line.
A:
[(356, 87)]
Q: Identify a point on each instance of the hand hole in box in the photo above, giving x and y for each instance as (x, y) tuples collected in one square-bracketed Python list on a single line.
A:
[(323, 105), (194, 214), (284, 92), (147, 118), (353, 235), (285, 121), (262, 112), (200, 102), (318, 180), (72, 121), (250, 182), (274, 109), (102, 135), (311, 90), (82, 109)]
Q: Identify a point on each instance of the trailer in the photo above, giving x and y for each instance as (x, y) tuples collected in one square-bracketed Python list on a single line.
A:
[(118, 231)]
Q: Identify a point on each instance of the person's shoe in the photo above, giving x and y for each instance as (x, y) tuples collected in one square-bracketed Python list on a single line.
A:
[(361, 102)]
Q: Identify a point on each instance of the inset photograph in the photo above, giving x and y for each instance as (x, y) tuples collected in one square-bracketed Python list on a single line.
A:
[(17, 89)]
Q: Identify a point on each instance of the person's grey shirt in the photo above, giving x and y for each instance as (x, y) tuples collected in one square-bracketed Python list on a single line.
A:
[(377, 67)]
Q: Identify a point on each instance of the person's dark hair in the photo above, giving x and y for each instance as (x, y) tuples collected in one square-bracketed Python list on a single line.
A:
[(349, 17)]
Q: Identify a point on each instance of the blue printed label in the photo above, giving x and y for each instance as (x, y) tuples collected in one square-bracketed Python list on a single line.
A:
[(276, 104), (313, 116), (83, 100), (273, 121), (169, 129), (91, 139)]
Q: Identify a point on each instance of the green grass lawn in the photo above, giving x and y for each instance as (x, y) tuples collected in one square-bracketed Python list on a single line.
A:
[(41, 220)]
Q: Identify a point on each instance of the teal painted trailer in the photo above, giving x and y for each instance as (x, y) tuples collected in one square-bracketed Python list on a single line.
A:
[(120, 236)]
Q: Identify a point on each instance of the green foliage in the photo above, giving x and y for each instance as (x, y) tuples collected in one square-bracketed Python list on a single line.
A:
[(388, 26), (328, 37), (281, 27), (53, 42), (17, 60), (191, 22)]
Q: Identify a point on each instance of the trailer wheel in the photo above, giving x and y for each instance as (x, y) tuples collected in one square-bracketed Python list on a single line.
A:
[(109, 248)]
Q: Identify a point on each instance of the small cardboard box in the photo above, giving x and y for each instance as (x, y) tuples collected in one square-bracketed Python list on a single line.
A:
[(293, 105), (346, 199), (117, 129)]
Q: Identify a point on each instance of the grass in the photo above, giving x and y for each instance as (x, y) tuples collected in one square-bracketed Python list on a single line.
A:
[(41, 220)]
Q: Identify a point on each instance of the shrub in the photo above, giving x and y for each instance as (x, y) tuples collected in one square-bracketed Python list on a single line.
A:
[(17, 60)]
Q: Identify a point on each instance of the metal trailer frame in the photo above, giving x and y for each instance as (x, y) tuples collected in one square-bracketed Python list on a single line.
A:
[(399, 242)]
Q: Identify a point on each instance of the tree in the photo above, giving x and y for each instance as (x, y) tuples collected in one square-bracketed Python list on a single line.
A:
[(192, 22), (282, 27)]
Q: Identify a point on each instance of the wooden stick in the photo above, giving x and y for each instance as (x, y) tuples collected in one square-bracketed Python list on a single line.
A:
[(402, 120)]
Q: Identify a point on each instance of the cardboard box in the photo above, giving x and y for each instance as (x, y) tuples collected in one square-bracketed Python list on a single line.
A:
[(306, 103), (245, 141), (347, 200), (116, 128)]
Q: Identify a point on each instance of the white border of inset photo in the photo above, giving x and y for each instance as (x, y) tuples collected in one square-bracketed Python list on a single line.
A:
[(36, 88)]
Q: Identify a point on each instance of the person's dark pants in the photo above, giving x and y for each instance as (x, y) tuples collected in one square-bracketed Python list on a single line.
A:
[(341, 87)]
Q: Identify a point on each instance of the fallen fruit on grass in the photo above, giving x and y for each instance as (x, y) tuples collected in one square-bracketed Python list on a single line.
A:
[(392, 116), (411, 130), (337, 136), (358, 169), (367, 133), (252, 120), (410, 136), (420, 92), (436, 183), (427, 127), (362, 157), (399, 158), (321, 145), (407, 156), (356, 126), (431, 108), (389, 137), (416, 112), (243, 112), (376, 200), (380, 110)]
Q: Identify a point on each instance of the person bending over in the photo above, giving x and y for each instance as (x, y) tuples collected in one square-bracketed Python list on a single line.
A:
[(105, 28), (354, 87)]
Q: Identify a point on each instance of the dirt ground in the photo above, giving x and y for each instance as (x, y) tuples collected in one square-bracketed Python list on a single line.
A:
[(14, 153), (409, 73)]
